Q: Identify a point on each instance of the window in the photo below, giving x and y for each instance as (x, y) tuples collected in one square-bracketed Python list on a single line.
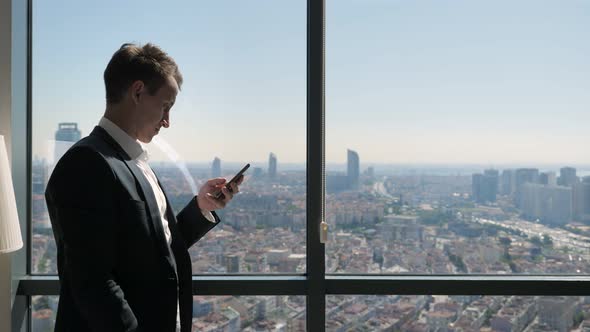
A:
[(455, 137), (242, 101)]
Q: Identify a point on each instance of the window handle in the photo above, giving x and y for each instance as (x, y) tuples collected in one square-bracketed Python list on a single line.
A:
[(323, 232)]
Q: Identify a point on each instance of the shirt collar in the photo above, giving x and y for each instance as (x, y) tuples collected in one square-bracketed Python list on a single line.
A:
[(134, 148)]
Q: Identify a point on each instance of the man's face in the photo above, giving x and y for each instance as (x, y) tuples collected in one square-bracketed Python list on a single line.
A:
[(153, 111)]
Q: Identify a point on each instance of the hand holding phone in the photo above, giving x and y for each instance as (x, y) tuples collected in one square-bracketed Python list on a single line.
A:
[(219, 194)]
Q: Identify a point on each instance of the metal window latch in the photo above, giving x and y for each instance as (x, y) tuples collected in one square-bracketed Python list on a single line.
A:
[(323, 232)]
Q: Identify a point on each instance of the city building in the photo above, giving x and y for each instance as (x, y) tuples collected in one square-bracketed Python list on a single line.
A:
[(66, 135), (371, 172), (272, 166), (275, 256), (582, 200), (526, 175), (485, 186), (257, 172), (232, 263), (508, 181), (202, 306), (548, 178), (40, 176), (401, 228), (567, 177), (353, 170), (550, 204), (516, 314), (336, 183), (522, 176), (216, 168), (557, 311)]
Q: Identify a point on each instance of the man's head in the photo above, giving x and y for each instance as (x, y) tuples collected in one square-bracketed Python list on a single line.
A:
[(141, 86)]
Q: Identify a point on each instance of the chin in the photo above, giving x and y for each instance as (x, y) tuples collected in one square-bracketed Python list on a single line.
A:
[(146, 140)]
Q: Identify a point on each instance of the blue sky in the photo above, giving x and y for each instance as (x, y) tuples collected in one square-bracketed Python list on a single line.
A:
[(488, 82)]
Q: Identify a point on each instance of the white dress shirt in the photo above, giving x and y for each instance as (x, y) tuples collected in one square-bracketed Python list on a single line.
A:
[(140, 157)]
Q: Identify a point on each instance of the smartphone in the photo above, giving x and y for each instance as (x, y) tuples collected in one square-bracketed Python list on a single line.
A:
[(219, 194)]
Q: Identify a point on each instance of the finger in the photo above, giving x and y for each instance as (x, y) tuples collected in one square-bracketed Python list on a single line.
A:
[(228, 194), (240, 180), (215, 182), (220, 203), (234, 188)]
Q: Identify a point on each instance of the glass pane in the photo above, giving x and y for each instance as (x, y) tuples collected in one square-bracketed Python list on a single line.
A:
[(468, 152), (249, 313), (242, 101), (457, 313), (43, 313), (213, 313)]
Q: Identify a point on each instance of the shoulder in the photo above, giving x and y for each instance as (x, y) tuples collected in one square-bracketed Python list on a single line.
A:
[(92, 151), (83, 172), (87, 161), (84, 153)]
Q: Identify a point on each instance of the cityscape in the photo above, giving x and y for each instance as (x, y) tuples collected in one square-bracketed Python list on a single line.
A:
[(521, 220)]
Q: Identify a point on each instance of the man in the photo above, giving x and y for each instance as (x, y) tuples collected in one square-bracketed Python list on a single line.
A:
[(122, 253)]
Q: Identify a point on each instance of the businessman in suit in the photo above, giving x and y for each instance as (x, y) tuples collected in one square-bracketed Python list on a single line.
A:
[(123, 258)]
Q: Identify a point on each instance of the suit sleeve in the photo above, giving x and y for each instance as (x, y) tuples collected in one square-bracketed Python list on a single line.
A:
[(192, 224), (83, 209)]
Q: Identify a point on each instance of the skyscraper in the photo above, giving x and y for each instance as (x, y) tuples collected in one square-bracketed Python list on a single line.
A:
[(551, 204), (485, 186), (567, 177), (526, 175), (476, 180), (522, 176), (582, 200), (216, 168), (508, 181), (272, 166), (68, 132), (371, 172), (548, 178), (66, 135), (491, 181), (353, 170)]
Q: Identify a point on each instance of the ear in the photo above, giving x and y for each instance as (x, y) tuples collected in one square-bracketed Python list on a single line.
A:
[(136, 89)]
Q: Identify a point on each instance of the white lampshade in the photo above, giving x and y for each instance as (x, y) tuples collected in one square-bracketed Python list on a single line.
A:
[(10, 237)]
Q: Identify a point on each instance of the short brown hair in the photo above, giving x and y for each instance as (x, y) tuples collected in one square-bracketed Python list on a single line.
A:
[(148, 63)]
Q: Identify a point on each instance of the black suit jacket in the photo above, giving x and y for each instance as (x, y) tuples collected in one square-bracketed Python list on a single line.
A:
[(115, 269)]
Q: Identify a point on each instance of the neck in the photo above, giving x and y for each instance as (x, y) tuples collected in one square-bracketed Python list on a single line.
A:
[(122, 119)]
